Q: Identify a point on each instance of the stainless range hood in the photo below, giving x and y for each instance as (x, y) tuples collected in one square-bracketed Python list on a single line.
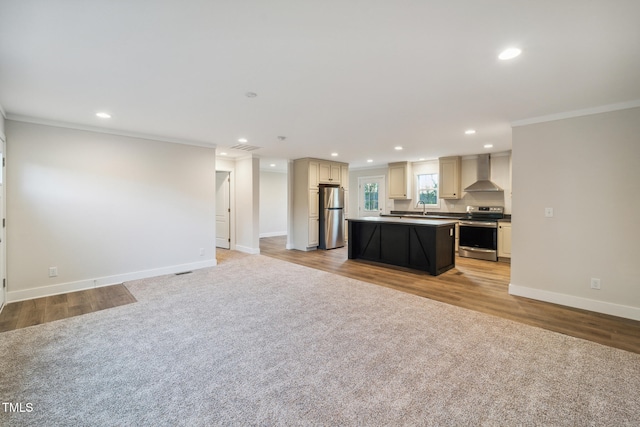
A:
[(484, 176)]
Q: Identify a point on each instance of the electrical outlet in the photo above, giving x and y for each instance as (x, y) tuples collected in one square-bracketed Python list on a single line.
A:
[(53, 271), (595, 283), (548, 212)]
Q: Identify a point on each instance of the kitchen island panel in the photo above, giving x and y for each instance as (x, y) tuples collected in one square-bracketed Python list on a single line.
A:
[(426, 245)]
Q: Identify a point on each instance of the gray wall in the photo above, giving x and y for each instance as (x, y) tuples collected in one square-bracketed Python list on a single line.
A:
[(103, 208), (588, 170), (273, 203)]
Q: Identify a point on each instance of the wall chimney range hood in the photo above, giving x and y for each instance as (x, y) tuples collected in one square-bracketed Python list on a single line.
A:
[(483, 182)]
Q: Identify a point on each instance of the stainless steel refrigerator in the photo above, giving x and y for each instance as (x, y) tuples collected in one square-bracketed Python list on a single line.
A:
[(331, 217)]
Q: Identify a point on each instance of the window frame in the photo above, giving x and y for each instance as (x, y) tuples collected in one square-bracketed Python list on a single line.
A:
[(435, 188)]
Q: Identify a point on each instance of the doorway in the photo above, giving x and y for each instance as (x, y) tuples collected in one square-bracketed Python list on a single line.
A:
[(223, 210), (371, 195)]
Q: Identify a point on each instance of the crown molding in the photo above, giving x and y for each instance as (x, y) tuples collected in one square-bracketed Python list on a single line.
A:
[(578, 113), (75, 126)]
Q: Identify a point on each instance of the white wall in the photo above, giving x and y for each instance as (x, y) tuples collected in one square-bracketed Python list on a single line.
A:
[(248, 205), (588, 170), (103, 208), (273, 203)]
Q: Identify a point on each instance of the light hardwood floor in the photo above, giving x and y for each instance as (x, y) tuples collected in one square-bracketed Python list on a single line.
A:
[(21, 314), (473, 284)]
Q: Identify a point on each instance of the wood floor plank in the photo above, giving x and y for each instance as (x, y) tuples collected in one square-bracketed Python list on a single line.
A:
[(31, 313), (36, 311), (473, 284)]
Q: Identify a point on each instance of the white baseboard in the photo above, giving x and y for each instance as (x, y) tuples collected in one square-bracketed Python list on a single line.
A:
[(273, 234), (80, 285), (248, 250), (604, 307)]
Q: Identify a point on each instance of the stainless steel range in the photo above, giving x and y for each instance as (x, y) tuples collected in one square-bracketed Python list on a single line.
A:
[(479, 232)]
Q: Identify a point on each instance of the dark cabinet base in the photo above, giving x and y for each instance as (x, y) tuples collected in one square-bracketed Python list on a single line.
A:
[(424, 247)]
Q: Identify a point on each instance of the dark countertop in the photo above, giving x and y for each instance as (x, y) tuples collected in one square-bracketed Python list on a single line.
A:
[(454, 216), (434, 215), (396, 219), (420, 216)]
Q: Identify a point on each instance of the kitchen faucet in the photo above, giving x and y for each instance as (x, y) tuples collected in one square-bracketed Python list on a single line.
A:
[(424, 206)]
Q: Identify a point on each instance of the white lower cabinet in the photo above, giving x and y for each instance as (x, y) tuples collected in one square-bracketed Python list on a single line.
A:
[(504, 240)]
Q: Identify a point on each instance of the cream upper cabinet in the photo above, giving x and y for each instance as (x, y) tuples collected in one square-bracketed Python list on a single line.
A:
[(449, 178), (314, 174), (400, 180), (325, 173), (329, 173), (335, 173), (504, 239), (344, 176)]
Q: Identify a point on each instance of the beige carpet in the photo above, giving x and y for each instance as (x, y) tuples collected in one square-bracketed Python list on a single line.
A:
[(257, 341)]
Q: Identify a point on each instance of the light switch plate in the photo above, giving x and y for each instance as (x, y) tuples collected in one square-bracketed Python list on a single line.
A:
[(548, 212)]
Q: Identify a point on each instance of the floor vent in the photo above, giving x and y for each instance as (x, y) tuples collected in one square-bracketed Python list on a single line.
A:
[(184, 272), (245, 147)]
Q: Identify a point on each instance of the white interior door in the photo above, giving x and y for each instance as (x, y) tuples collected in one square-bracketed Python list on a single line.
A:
[(223, 210), (371, 195)]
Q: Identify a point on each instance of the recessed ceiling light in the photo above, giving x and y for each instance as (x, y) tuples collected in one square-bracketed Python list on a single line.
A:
[(242, 140), (223, 154), (273, 165), (488, 145), (369, 160), (334, 154), (510, 53), (398, 148), (421, 159), (469, 131), (104, 115), (251, 94)]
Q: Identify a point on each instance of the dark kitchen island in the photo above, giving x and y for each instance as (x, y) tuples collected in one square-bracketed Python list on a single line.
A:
[(423, 244)]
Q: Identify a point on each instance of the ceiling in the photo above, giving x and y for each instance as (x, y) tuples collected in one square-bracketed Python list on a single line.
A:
[(354, 77)]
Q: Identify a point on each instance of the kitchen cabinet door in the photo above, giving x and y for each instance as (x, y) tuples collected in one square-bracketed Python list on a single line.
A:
[(400, 180), (449, 178), (314, 177), (335, 173), (314, 203), (329, 173), (344, 176), (504, 240), (314, 232), (324, 173)]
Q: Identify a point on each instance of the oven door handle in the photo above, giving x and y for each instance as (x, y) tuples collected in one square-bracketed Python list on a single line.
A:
[(484, 224), (470, 249)]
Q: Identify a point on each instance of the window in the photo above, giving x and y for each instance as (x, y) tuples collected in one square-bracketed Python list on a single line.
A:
[(427, 189), (371, 196)]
